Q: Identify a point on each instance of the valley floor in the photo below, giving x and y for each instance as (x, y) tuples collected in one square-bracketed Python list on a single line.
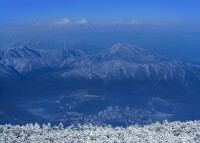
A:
[(175, 132)]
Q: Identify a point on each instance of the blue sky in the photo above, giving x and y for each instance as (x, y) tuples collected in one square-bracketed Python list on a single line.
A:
[(167, 25), (169, 11)]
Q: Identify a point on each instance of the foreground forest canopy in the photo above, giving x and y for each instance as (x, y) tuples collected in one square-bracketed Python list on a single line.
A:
[(179, 132)]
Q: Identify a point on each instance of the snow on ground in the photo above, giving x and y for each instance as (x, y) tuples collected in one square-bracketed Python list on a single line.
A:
[(175, 132)]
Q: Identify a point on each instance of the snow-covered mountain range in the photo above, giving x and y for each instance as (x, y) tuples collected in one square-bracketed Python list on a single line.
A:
[(122, 85), (121, 61)]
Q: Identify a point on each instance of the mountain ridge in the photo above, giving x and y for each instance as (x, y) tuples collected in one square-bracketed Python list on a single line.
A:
[(121, 61), (128, 52)]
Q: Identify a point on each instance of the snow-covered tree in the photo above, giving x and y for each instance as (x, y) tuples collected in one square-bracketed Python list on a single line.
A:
[(175, 132)]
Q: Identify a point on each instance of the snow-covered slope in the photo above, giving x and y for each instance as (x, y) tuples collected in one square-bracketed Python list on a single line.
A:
[(122, 61), (125, 61), (25, 60), (129, 53), (175, 132)]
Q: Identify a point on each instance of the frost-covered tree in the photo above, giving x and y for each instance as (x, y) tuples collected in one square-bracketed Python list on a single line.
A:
[(175, 132)]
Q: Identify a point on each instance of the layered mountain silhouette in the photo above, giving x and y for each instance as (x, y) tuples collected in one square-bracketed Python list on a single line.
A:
[(121, 61), (122, 85)]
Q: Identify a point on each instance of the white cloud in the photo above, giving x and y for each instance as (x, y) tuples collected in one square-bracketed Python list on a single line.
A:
[(135, 22), (63, 22), (37, 25), (126, 23), (82, 22), (119, 22), (67, 22)]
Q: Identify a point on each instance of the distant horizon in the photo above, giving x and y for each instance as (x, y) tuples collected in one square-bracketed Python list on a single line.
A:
[(171, 28), (152, 12)]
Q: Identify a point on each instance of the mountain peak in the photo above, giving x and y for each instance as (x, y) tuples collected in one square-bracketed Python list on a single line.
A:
[(128, 52), (123, 48)]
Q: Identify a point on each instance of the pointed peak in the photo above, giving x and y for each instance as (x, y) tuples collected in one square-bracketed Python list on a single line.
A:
[(124, 45), (128, 52)]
